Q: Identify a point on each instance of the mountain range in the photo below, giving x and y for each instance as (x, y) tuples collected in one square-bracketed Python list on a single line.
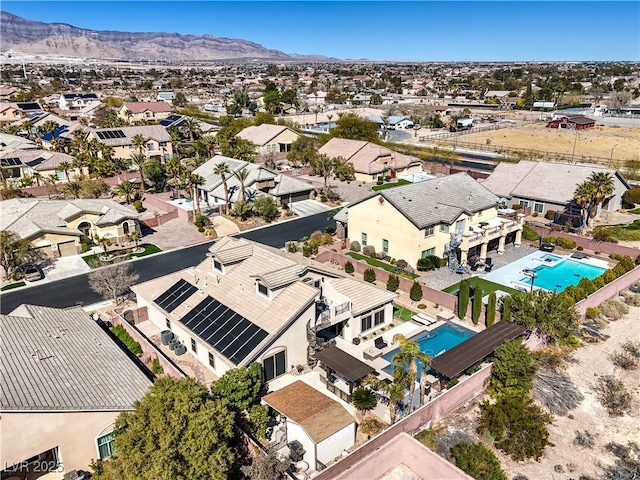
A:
[(19, 35)]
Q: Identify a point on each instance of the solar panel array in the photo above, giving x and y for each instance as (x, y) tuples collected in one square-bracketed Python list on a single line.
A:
[(169, 120), (10, 162), (225, 330), (110, 134), (175, 295)]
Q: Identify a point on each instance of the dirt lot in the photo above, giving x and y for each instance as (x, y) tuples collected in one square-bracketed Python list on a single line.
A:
[(588, 361), (594, 142)]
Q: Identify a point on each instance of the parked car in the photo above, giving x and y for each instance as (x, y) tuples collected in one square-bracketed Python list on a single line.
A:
[(31, 272)]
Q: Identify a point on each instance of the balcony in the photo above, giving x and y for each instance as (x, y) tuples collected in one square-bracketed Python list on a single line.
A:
[(329, 313), (493, 229)]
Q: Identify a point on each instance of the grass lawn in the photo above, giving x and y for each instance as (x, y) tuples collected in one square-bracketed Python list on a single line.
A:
[(148, 250), (384, 186), (629, 232), (377, 263), (13, 285), (635, 211), (402, 313), (486, 285)]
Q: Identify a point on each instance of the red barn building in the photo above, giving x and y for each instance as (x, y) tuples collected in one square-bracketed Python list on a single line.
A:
[(576, 122)]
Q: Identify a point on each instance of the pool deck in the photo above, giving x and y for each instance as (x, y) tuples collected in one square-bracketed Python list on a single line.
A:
[(511, 274)]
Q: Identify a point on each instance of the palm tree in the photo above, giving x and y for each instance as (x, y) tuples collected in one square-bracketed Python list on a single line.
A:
[(27, 126), (191, 128), (125, 189), (129, 114), (583, 195), (73, 188), (57, 145), (139, 159), (242, 176), (65, 167), (222, 169), (393, 391), (406, 362), (604, 186), (37, 176), (47, 127), (196, 181), (323, 166), (138, 142), (135, 237), (209, 143)]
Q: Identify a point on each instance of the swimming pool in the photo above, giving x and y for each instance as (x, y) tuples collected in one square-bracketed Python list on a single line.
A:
[(559, 276), (435, 342)]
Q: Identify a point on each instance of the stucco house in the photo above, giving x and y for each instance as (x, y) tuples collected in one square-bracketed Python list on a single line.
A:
[(433, 217), (269, 138), (16, 164), (157, 141), (261, 181), (64, 382), (315, 428), (135, 111), (545, 186), (371, 161), (247, 302), (69, 101), (59, 227)]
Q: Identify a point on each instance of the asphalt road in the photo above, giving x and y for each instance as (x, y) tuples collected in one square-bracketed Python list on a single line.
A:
[(73, 291)]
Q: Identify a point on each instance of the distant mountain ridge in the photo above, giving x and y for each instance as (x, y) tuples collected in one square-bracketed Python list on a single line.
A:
[(19, 35)]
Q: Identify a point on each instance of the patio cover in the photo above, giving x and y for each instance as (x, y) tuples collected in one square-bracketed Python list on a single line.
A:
[(455, 361), (340, 361)]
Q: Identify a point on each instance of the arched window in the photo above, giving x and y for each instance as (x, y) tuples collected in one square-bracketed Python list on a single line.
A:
[(125, 228)]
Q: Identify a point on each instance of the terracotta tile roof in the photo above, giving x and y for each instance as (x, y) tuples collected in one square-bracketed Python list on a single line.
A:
[(156, 107)]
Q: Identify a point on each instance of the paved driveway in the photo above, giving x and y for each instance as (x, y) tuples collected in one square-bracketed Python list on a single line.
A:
[(308, 207)]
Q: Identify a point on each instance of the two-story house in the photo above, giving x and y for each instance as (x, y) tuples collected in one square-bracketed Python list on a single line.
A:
[(57, 228), (157, 141), (132, 112), (432, 217), (74, 101), (269, 138), (39, 166), (248, 302)]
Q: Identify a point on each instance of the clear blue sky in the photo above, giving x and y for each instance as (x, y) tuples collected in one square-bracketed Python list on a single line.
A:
[(379, 30)]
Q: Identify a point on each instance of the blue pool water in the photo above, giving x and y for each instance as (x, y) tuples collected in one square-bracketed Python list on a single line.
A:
[(435, 342), (550, 258), (559, 276)]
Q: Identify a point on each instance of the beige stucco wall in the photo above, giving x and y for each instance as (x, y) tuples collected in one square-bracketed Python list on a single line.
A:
[(126, 152), (284, 137), (23, 435)]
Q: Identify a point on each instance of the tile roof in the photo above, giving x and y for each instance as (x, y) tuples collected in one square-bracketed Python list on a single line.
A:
[(319, 415), (139, 107), (54, 359), (15, 142), (286, 185), (366, 157), (38, 160), (260, 135), (439, 200), (153, 132), (29, 217), (547, 181), (363, 296)]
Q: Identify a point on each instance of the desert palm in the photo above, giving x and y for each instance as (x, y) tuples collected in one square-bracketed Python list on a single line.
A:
[(47, 127), (138, 142), (323, 166), (604, 187), (242, 176), (583, 196), (125, 189), (191, 128), (139, 159), (394, 391), (65, 167), (222, 169), (74, 189), (135, 237), (406, 363), (196, 181), (27, 126), (209, 143)]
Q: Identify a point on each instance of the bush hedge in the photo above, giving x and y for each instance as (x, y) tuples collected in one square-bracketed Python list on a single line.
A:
[(348, 267), (432, 262), (369, 275), (529, 234), (586, 287), (631, 196), (561, 242), (122, 335)]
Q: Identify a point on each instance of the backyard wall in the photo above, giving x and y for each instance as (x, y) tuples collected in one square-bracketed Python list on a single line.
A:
[(158, 202), (608, 291), (148, 348)]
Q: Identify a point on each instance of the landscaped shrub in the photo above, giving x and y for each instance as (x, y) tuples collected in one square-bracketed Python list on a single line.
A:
[(354, 247), (631, 196), (529, 234), (369, 275), (565, 243), (431, 262), (615, 256), (306, 250), (415, 293), (478, 461), (371, 426), (603, 234), (453, 382), (463, 298), (330, 230), (156, 368), (505, 312), (614, 309), (201, 221), (292, 247), (550, 215), (613, 395), (422, 306), (368, 250), (550, 239), (380, 255), (428, 437), (138, 206), (348, 267), (84, 247), (379, 181), (122, 335), (579, 248), (393, 283), (592, 312), (477, 305), (401, 263), (490, 316)]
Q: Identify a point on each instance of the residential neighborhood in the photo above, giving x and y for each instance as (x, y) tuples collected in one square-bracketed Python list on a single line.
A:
[(270, 267)]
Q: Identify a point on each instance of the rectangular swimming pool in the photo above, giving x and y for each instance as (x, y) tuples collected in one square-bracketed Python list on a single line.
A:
[(561, 275), (435, 342)]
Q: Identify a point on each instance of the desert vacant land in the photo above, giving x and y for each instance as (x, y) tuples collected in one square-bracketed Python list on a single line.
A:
[(593, 142)]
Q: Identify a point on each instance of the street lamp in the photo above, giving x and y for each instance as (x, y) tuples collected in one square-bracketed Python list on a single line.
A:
[(611, 154)]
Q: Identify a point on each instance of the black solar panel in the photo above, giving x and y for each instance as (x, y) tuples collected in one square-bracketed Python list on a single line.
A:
[(10, 162), (224, 329), (28, 106), (110, 134), (175, 295), (100, 135)]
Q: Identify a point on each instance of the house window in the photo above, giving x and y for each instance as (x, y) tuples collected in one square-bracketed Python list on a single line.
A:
[(60, 175), (263, 289), (194, 346), (364, 239), (524, 203), (151, 146), (385, 246), (428, 252), (366, 323), (538, 207), (217, 265), (125, 228), (105, 445), (459, 227), (378, 318), (444, 228), (212, 360), (163, 144), (168, 323), (274, 366), (428, 231)]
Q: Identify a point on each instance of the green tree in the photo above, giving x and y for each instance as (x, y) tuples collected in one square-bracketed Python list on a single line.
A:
[(478, 461), (415, 293), (15, 251), (363, 399), (266, 208), (476, 309), (463, 298), (242, 176), (303, 151), (240, 149), (406, 364), (552, 314), (369, 275), (191, 128), (179, 100), (603, 186), (506, 308), (154, 171), (393, 283), (348, 267), (73, 188), (354, 127), (517, 425), (139, 160), (490, 316), (271, 101), (263, 117), (583, 195), (222, 169), (514, 367), (267, 466), (175, 431), (239, 386), (323, 166)]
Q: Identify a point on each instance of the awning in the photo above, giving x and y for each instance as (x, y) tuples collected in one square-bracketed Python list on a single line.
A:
[(455, 361), (341, 362)]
